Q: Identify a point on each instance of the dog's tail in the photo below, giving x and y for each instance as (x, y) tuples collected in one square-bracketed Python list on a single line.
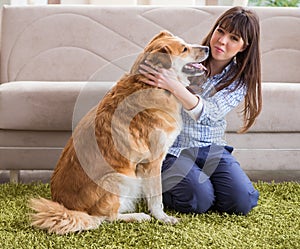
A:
[(55, 218)]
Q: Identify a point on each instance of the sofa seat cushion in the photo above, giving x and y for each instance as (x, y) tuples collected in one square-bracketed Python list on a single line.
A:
[(48, 106), (58, 106), (281, 107)]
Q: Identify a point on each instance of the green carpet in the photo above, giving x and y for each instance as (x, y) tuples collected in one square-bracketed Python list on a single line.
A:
[(274, 223)]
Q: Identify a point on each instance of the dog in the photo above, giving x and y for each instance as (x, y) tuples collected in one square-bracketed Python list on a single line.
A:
[(115, 153)]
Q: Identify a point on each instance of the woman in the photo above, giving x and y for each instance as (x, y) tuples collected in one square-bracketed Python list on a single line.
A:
[(199, 173)]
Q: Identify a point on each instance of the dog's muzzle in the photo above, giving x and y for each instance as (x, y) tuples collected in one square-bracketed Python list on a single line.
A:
[(194, 69)]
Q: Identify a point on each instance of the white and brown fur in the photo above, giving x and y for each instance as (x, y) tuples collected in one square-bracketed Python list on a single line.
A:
[(115, 153)]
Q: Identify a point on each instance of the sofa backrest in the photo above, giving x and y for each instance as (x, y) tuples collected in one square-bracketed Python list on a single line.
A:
[(75, 43)]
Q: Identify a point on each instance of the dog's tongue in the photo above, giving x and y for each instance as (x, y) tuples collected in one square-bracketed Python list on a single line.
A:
[(199, 66)]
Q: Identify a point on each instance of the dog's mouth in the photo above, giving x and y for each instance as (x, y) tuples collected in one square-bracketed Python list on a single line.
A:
[(194, 69)]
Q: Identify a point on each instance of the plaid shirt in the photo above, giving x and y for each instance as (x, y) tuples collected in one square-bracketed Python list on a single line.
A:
[(210, 126)]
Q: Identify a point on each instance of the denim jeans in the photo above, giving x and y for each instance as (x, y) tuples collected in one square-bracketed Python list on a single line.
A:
[(207, 178)]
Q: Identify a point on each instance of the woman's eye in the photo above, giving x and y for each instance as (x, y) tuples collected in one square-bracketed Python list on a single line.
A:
[(235, 38), (220, 31)]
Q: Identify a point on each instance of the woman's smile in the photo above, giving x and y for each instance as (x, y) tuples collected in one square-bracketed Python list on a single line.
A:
[(218, 49)]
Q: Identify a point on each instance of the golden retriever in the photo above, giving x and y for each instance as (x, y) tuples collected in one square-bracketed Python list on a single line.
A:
[(115, 153)]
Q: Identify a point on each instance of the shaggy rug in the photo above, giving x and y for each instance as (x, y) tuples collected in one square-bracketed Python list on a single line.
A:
[(274, 223)]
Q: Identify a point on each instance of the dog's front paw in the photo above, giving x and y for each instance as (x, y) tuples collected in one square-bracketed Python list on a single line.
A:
[(170, 219), (142, 217), (129, 217), (165, 218)]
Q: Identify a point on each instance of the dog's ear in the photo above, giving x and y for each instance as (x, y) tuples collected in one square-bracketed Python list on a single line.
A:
[(160, 57), (161, 34), (157, 53)]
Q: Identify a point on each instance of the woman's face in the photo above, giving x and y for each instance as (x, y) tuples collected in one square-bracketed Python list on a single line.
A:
[(224, 45)]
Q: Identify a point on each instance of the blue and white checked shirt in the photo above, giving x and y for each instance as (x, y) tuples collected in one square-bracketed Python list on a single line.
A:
[(210, 127)]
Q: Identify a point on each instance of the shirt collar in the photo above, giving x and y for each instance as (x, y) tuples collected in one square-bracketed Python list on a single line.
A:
[(209, 86), (224, 72)]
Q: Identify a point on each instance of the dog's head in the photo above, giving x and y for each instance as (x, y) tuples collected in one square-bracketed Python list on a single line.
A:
[(168, 51)]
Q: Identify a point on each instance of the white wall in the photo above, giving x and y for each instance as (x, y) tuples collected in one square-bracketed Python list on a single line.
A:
[(134, 2)]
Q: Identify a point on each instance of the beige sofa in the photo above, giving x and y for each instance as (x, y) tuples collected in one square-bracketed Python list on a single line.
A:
[(57, 62)]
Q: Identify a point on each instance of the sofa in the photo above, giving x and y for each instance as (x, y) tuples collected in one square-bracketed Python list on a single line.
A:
[(58, 61)]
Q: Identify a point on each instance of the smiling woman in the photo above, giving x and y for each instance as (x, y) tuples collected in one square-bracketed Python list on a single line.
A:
[(224, 45), (211, 177)]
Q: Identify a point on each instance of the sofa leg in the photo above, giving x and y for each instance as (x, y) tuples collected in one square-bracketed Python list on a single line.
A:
[(14, 176)]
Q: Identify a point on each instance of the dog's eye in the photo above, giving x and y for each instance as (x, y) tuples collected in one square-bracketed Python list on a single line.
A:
[(185, 49)]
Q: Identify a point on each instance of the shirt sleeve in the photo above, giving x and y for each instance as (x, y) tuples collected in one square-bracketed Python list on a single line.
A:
[(195, 113), (217, 106)]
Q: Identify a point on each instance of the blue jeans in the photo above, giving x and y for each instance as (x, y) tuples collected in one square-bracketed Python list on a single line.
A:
[(207, 178)]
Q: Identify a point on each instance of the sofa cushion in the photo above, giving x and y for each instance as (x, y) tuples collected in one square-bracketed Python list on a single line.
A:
[(280, 110), (60, 105), (51, 106)]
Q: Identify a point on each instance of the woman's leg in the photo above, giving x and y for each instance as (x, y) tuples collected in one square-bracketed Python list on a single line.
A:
[(183, 189), (233, 189)]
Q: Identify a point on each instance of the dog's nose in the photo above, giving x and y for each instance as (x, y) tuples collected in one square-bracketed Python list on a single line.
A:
[(206, 49)]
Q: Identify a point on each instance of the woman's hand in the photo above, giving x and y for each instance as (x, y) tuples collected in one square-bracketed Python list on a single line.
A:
[(167, 79), (162, 78)]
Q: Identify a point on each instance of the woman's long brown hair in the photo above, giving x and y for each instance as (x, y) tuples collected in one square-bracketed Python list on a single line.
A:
[(245, 23)]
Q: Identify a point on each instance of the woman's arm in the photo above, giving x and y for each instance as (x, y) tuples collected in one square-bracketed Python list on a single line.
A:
[(166, 79), (217, 106), (211, 109)]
